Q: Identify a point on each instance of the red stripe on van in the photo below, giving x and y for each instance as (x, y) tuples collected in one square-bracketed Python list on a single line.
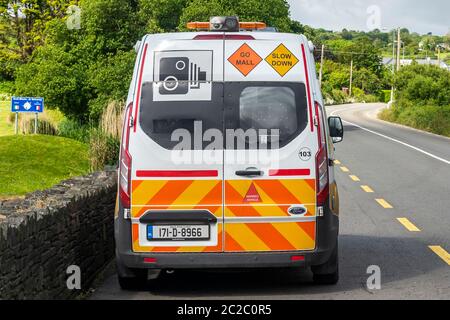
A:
[(138, 98), (308, 88), (176, 173), (289, 172)]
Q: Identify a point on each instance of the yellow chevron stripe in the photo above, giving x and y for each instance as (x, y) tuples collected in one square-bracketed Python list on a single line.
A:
[(301, 190), (292, 232), (196, 192), (147, 190), (241, 186), (295, 235), (246, 238)]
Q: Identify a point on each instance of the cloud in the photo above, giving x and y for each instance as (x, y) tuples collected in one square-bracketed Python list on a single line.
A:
[(417, 16)]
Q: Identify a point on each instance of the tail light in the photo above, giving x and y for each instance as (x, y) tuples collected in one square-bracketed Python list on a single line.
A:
[(125, 162), (321, 159)]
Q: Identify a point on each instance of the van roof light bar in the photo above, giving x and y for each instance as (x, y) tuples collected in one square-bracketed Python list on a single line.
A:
[(225, 24)]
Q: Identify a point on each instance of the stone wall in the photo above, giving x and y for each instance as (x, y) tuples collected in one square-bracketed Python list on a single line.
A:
[(44, 233)]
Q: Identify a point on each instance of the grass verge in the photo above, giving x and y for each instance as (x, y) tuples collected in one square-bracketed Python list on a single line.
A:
[(6, 128), (434, 119), (37, 162)]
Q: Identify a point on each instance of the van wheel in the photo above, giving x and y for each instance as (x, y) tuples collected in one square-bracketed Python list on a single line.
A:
[(133, 283), (327, 273)]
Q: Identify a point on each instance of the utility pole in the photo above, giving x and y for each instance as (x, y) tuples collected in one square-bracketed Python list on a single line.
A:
[(439, 56), (321, 65), (351, 77), (393, 51), (398, 49), (393, 67)]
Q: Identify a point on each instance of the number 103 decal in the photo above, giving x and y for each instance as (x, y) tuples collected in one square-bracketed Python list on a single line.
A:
[(305, 154)]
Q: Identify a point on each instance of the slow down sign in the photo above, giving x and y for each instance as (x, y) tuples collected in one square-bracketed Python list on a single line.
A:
[(282, 60)]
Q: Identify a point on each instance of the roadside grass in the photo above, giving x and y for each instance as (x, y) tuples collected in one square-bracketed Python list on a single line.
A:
[(6, 128), (432, 119), (37, 162)]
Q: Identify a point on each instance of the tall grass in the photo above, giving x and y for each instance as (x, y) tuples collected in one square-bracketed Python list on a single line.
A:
[(104, 143), (111, 121), (48, 122)]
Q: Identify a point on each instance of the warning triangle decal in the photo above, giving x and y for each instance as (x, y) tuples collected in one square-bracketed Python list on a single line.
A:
[(252, 195)]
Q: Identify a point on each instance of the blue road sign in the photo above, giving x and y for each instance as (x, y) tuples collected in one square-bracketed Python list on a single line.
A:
[(32, 105)]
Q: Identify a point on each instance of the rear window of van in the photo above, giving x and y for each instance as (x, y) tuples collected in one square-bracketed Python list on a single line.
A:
[(272, 110)]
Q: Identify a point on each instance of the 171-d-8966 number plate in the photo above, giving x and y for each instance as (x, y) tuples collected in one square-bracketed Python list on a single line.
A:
[(178, 232)]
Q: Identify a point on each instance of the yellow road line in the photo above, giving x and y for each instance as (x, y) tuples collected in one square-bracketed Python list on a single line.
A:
[(367, 189), (384, 203), (337, 162), (345, 169), (354, 178), (408, 225), (444, 255)]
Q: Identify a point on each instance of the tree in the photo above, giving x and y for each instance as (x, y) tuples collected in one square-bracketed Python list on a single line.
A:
[(275, 13), (346, 35), (78, 71), (59, 77), (161, 15), (28, 21), (111, 25)]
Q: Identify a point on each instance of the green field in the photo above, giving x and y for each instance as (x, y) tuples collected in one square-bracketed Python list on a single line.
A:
[(6, 128), (37, 162)]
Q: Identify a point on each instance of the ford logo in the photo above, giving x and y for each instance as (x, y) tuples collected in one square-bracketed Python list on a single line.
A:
[(297, 210)]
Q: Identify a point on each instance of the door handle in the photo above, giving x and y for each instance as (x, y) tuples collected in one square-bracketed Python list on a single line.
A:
[(250, 173)]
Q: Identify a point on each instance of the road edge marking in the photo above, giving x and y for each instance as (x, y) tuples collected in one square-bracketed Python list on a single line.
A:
[(345, 169), (441, 253), (354, 178), (408, 225), (398, 141)]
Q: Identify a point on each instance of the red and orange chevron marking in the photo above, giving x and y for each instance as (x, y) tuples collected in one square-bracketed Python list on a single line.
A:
[(276, 196)]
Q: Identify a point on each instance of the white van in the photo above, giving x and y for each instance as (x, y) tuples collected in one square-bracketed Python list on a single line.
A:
[(227, 156)]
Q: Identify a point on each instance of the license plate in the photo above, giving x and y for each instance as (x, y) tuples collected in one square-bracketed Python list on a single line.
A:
[(177, 232)]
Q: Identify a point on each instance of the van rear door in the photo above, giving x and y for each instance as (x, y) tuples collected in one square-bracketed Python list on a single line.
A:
[(269, 164), (176, 200)]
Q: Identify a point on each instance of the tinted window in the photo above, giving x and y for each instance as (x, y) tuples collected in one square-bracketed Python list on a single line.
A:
[(280, 109), (269, 108), (159, 119)]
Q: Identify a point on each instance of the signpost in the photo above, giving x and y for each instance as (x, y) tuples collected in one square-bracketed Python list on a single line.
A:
[(27, 105)]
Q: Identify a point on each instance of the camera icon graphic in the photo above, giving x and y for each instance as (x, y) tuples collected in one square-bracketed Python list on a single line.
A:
[(178, 75)]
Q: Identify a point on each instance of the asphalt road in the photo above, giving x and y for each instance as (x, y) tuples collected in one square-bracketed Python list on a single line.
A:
[(409, 170)]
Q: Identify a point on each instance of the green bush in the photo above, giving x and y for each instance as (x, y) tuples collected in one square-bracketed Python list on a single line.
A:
[(422, 99), (59, 77), (435, 119), (385, 96), (358, 94), (6, 89), (110, 79), (423, 85), (73, 129)]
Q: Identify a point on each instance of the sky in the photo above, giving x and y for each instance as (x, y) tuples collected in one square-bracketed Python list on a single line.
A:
[(416, 15)]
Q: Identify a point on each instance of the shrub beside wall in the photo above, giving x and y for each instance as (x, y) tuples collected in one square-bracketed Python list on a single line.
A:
[(48, 231)]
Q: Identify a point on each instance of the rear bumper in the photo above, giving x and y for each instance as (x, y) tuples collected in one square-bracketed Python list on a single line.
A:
[(326, 237), (217, 260)]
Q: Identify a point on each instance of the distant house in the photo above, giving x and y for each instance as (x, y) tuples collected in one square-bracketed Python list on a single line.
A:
[(407, 62)]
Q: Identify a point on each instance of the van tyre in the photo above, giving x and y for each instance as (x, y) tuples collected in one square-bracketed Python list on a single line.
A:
[(328, 273)]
